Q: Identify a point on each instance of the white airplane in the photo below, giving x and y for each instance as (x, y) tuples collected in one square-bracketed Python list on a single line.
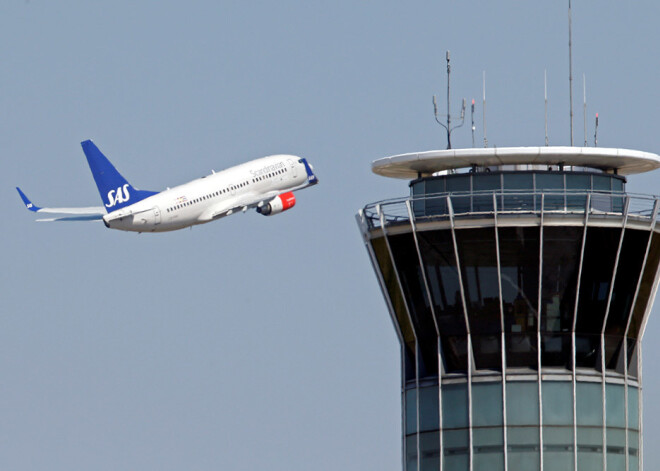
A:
[(266, 184)]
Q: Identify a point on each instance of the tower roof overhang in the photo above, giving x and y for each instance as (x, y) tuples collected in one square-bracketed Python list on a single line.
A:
[(410, 166)]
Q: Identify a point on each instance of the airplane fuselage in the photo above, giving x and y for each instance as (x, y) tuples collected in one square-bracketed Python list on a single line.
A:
[(249, 185)]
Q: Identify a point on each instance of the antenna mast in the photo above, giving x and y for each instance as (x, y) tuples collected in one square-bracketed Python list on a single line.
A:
[(435, 109), (484, 109), (596, 132), (473, 126), (570, 66), (545, 94), (584, 94)]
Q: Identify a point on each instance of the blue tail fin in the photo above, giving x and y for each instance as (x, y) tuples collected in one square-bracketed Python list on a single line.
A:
[(115, 191)]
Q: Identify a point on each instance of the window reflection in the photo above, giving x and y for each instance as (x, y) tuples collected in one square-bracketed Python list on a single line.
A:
[(478, 259), (397, 301), (645, 287), (406, 260), (629, 267), (519, 269), (600, 252), (561, 258), (437, 248)]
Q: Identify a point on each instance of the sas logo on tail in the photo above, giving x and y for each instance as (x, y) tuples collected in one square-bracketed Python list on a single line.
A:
[(120, 195)]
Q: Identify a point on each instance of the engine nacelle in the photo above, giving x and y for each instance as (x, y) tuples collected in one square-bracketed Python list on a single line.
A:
[(278, 204)]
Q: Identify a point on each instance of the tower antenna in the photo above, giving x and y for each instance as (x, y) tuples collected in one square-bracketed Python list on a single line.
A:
[(473, 126), (570, 66), (584, 111), (448, 127), (545, 94), (484, 109), (596, 132)]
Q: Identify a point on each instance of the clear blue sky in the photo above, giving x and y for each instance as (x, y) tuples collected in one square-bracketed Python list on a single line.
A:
[(256, 343)]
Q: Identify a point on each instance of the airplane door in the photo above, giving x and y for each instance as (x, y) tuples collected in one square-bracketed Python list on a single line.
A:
[(156, 215), (293, 168)]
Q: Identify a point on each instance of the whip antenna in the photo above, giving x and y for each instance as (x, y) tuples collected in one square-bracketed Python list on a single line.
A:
[(448, 127), (484, 109), (596, 132), (570, 66), (545, 94), (584, 111), (473, 127)]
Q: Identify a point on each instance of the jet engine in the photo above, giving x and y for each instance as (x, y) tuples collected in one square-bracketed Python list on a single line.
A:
[(278, 204)]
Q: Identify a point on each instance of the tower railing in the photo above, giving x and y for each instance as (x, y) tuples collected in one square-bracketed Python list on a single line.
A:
[(503, 203)]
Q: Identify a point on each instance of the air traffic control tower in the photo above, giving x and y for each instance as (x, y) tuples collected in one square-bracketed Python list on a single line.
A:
[(519, 281)]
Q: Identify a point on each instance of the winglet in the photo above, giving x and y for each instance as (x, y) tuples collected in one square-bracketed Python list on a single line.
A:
[(28, 203)]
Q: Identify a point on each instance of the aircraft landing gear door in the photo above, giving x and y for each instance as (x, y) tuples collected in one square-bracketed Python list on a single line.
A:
[(293, 168), (156, 211)]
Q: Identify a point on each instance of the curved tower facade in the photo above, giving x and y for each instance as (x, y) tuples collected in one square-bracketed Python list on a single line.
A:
[(519, 281)]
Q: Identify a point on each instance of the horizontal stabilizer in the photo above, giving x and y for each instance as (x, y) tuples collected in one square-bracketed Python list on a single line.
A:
[(73, 218), (81, 214)]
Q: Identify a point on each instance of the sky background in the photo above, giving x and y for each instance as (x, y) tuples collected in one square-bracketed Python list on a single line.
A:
[(257, 343)]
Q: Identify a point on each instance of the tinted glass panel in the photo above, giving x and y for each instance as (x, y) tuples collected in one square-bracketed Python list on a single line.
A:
[(633, 408), (478, 259), (435, 186), (602, 183), (429, 447), (550, 183), (454, 406), (522, 403), (523, 445), (615, 405), (629, 268), (590, 448), (518, 181), (411, 453), (578, 181), (557, 403), (428, 409), (589, 408), (597, 273), (437, 248), (486, 181), (396, 298), (487, 405), (458, 183), (645, 287), (406, 260), (561, 258), (519, 269), (456, 449), (411, 410)]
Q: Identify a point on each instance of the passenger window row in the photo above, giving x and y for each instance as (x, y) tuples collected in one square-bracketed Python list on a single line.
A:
[(224, 190)]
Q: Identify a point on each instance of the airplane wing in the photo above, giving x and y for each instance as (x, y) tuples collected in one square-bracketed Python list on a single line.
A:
[(78, 214)]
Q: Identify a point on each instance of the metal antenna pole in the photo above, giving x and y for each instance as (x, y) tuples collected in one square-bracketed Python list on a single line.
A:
[(448, 108), (596, 132), (584, 111), (448, 127), (484, 109), (570, 66), (473, 126), (545, 94)]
